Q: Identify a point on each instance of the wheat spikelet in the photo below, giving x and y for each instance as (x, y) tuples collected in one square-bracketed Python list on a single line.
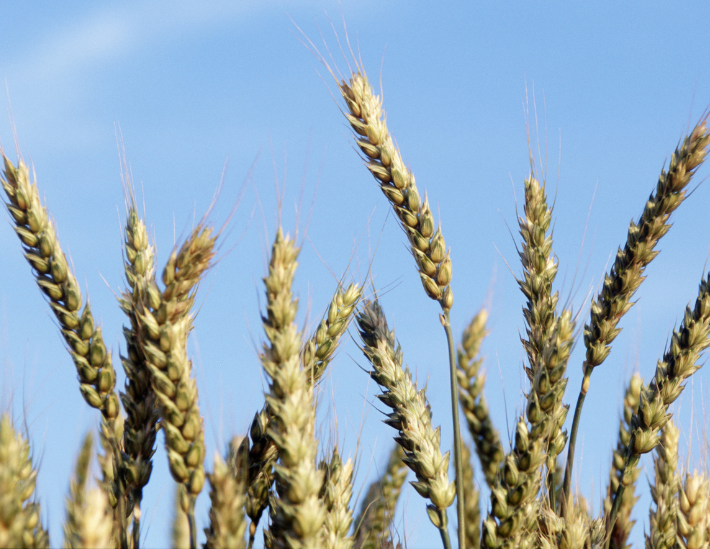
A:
[(227, 522), (411, 415), (336, 494), (397, 183), (94, 525), (372, 526), (470, 383), (138, 400), (694, 513), (179, 525), (297, 514), (77, 494), (20, 524)]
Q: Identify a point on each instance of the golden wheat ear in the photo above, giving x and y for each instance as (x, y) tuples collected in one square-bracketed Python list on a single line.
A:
[(227, 521), (336, 494)]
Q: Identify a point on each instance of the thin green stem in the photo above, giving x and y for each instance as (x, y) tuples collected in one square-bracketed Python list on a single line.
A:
[(191, 522), (573, 441), (457, 433), (615, 509), (121, 510), (444, 530)]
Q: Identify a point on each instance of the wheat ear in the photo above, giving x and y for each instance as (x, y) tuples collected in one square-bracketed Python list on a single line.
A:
[(624, 524), (472, 499), (316, 354), (77, 494), (694, 513), (471, 382), (336, 494), (663, 519), (373, 524), (138, 400), (411, 415), (678, 364), (297, 515), (164, 333), (20, 524), (227, 522), (179, 524), (626, 275)]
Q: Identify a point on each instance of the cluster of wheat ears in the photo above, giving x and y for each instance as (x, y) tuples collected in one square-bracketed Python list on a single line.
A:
[(278, 468)]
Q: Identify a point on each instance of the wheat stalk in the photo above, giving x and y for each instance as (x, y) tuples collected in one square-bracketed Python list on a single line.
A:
[(377, 510), (624, 524), (470, 383), (411, 415), (626, 275), (20, 524)]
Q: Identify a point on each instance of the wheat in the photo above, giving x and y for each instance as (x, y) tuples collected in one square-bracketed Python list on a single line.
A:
[(41, 248), (227, 522), (297, 515), (336, 494), (384, 161), (77, 494), (694, 513), (165, 331), (678, 363), (138, 400), (411, 415), (471, 497), (373, 524), (663, 519), (471, 382), (626, 275), (20, 524), (624, 524)]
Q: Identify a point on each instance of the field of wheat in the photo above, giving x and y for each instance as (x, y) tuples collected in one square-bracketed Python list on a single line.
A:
[(436, 334)]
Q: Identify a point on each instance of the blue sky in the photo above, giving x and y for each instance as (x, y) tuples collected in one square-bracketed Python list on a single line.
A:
[(221, 86)]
